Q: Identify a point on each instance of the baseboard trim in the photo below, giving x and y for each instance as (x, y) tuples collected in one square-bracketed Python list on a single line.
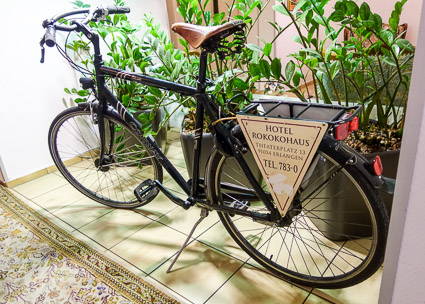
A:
[(30, 177), (42, 172)]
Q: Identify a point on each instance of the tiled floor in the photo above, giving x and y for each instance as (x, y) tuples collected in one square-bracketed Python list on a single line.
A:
[(212, 269)]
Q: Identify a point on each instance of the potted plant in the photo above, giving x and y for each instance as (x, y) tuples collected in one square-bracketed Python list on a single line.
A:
[(130, 47), (351, 56), (229, 73)]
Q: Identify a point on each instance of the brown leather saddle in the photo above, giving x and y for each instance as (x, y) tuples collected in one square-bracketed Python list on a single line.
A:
[(197, 35)]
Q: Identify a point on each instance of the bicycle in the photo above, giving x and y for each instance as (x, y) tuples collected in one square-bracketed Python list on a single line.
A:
[(99, 148)]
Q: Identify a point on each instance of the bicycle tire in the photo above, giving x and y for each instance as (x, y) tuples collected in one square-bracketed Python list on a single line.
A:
[(330, 242), (74, 145)]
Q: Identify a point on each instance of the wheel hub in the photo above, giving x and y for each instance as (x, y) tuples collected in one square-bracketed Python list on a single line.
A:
[(105, 165), (293, 211)]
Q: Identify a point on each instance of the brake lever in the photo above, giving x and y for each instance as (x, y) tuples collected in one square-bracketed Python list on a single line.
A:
[(103, 13), (42, 42)]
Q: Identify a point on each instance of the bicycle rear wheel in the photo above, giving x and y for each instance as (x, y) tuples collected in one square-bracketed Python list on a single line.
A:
[(74, 144), (333, 235)]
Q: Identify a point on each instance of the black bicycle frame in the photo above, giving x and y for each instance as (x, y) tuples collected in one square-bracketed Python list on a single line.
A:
[(204, 103)]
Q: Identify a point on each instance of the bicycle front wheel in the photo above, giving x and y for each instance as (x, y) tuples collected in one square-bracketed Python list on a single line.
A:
[(75, 146), (333, 235)]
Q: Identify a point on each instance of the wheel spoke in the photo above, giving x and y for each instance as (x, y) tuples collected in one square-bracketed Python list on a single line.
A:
[(76, 146), (324, 240)]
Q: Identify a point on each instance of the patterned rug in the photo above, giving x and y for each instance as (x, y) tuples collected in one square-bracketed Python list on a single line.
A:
[(41, 263)]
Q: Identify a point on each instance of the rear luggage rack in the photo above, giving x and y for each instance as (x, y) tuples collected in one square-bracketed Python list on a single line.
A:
[(327, 113)]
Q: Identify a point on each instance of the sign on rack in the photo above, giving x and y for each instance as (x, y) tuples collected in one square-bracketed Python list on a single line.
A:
[(283, 150)]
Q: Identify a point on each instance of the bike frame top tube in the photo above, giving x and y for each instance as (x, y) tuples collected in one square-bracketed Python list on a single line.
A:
[(105, 96), (202, 100), (149, 81)]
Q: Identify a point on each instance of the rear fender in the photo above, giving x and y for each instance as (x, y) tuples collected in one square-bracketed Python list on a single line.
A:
[(361, 163)]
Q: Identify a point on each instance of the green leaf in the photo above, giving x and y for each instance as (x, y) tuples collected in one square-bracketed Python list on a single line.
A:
[(333, 70), (309, 17), (313, 62), (386, 52), (368, 23), (394, 23), (155, 44), (311, 33), (83, 92), (206, 3), (319, 20), (364, 11), (125, 99), (390, 61), (67, 90), (254, 69), (267, 49), (149, 99), (254, 47), (303, 17), (336, 16), (218, 18), (312, 52), (207, 17), (398, 7), (377, 20), (255, 57), (78, 100), (296, 79), (155, 91), (276, 68), (275, 25), (297, 39), (143, 117), (289, 70), (387, 36), (240, 84), (352, 9), (280, 9), (116, 19), (265, 68), (341, 7), (405, 45), (143, 65), (116, 58), (299, 4)]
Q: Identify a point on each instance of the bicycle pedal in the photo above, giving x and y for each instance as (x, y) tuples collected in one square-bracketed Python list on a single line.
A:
[(146, 191)]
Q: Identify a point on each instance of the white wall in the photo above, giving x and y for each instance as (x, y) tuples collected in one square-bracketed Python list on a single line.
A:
[(32, 93), (404, 266)]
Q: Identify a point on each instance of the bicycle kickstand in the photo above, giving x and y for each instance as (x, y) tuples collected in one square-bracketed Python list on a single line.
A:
[(204, 214)]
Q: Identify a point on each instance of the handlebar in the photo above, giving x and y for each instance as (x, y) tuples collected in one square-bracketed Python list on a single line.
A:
[(51, 25)]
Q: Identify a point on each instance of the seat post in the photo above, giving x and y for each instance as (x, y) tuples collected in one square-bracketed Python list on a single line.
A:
[(202, 77)]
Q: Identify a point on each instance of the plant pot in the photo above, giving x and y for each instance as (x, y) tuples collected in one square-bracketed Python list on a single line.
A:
[(161, 137), (338, 209), (188, 142), (336, 214), (389, 161)]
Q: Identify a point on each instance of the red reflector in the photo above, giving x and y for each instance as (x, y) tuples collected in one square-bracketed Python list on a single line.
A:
[(377, 166), (354, 124), (342, 131)]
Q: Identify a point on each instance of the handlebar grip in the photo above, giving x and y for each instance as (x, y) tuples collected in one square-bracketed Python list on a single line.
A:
[(50, 36), (118, 9)]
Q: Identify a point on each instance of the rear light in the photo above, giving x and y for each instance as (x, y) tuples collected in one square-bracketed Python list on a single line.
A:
[(377, 166), (343, 130), (354, 124)]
